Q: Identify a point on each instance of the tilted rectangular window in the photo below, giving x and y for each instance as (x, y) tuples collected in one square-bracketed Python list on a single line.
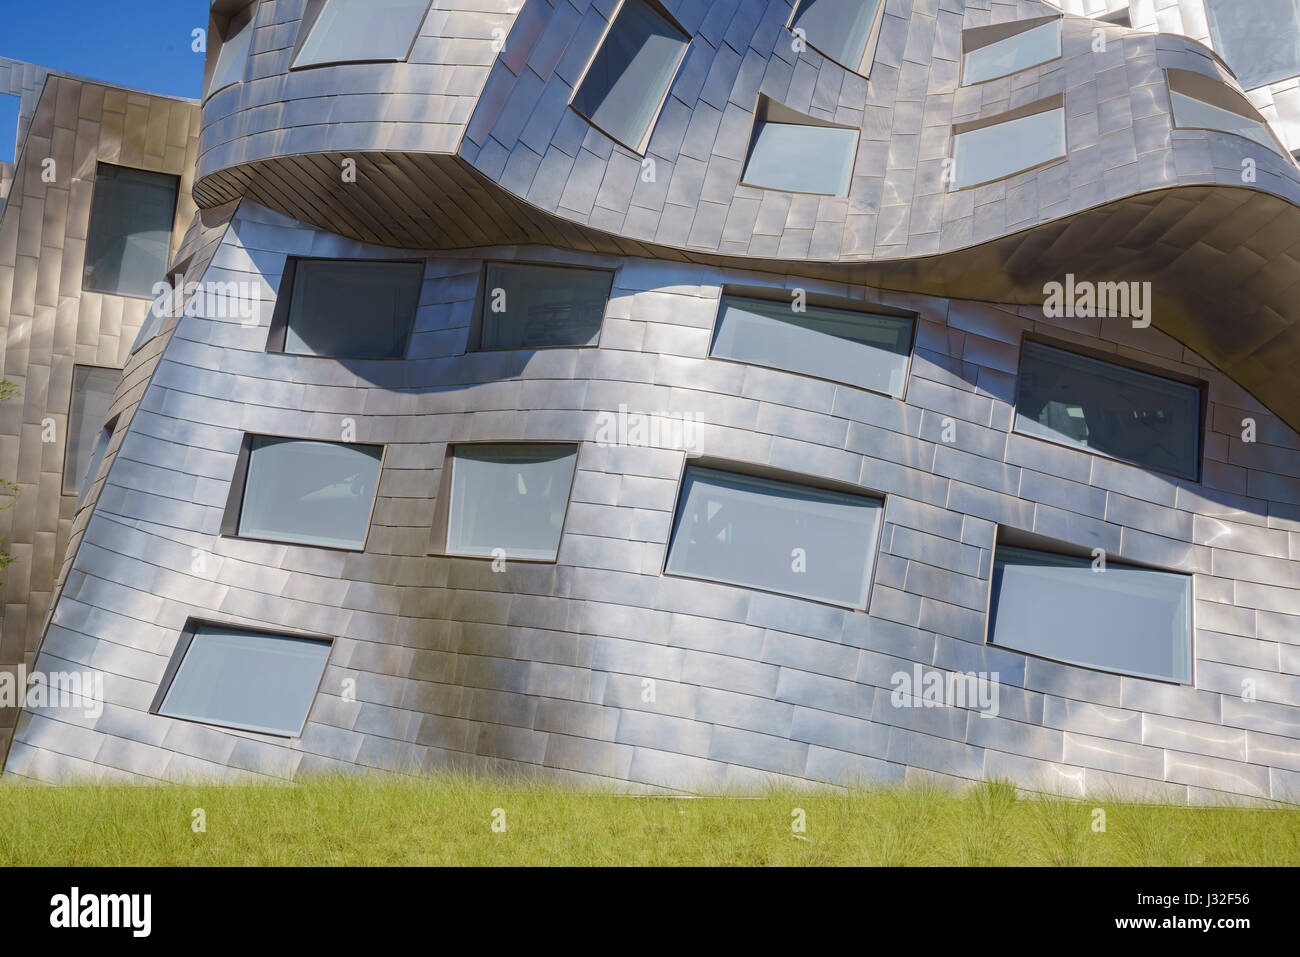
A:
[(1191, 113), (131, 216), (801, 159), (353, 309), (359, 31), (243, 679), (1259, 39), (1106, 408), (509, 501), (1031, 47), (1125, 619), (537, 307), (233, 55), (309, 493), (92, 394), (856, 348), (775, 536), (838, 29), (630, 76), (97, 457), (1002, 149)]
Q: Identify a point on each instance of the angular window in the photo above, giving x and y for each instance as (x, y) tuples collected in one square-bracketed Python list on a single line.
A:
[(795, 153), (1122, 413), (509, 501), (843, 30), (243, 679), (856, 348), (775, 536), (1120, 18), (629, 78), (1125, 619), (989, 150), (1259, 39), (991, 53), (131, 216), (360, 31), (233, 54), (97, 456), (92, 394), (304, 492), (1203, 103), (536, 307), (354, 309)]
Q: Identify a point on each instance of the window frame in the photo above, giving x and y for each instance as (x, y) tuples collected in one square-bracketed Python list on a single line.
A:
[(474, 340), (642, 144), (90, 219), (1131, 365), (1011, 537), (770, 294), (192, 626), (1048, 104), (233, 512), (766, 110), (767, 473), (312, 14), (223, 32), (441, 529), (981, 38), (277, 333), (868, 50)]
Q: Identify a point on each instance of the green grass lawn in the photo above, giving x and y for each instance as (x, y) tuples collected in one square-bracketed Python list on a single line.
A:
[(449, 820)]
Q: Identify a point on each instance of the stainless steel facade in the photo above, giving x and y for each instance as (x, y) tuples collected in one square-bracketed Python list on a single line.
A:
[(599, 665)]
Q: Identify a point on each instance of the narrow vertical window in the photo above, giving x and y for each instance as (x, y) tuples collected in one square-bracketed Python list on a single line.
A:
[(92, 395)]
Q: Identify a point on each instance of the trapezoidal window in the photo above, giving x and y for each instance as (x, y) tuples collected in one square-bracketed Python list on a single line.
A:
[(1125, 619), (539, 307), (1259, 39), (628, 80), (845, 31), (775, 536), (1201, 102), (799, 154), (997, 51), (237, 678), (362, 31), (129, 238), (304, 492), (985, 151), (233, 55), (1109, 409), (863, 349), (509, 501), (346, 308)]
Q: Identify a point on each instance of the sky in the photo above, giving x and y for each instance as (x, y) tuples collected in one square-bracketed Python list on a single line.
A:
[(143, 44)]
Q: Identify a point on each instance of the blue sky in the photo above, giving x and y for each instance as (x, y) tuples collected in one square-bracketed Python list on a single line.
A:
[(144, 44)]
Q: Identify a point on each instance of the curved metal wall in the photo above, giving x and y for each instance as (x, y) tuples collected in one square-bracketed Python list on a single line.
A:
[(545, 666)]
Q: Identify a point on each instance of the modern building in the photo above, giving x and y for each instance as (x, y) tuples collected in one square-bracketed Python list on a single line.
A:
[(695, 394)]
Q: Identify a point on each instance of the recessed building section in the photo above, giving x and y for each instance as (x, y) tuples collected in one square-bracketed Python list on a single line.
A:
[(526, 306), (360, 31), (776, 536), (1109, 409), (628, 79), (991, 149), (1093, 612), (797, 153), (304, 492), (507, 501), (250, 680), (863, 349), (92, 395), (232, 58), (997, 51), (346, 308), (129, 238), (1201, 102), (845, 31), (1257, 38)]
